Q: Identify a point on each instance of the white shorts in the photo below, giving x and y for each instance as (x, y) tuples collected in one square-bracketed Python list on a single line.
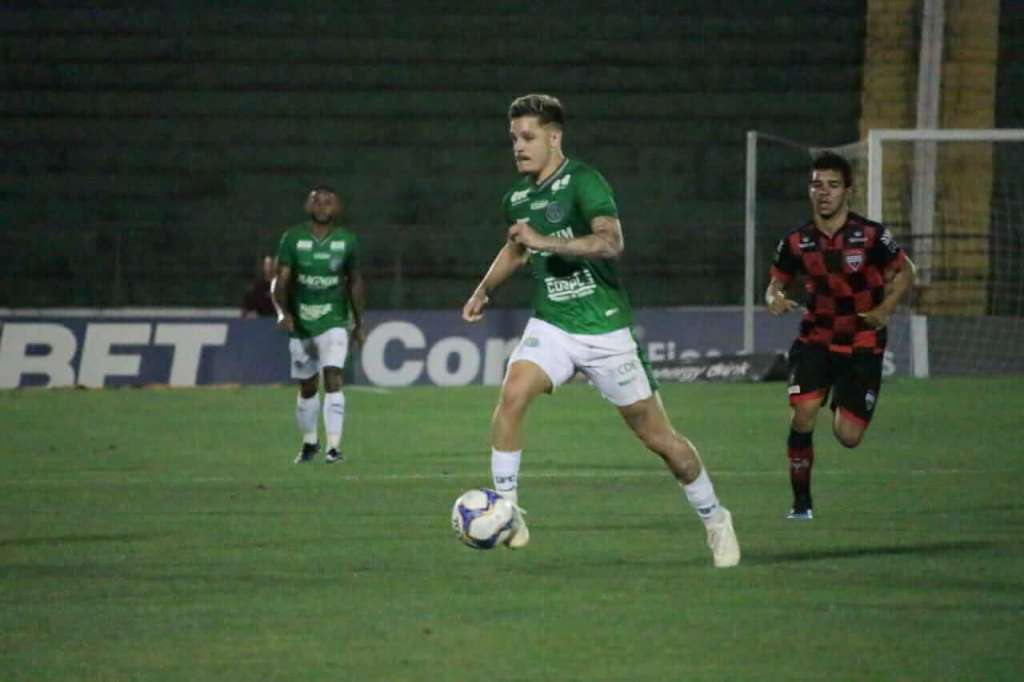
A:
[(611, 361), (311, 355)]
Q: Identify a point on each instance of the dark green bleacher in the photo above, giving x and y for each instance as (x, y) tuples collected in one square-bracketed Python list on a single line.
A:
[(152, 156)]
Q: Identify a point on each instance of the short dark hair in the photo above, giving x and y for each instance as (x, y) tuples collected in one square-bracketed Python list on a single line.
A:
[(829, 160), (546, 108)]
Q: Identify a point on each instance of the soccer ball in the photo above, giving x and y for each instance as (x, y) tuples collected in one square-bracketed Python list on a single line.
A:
[(482, 518)]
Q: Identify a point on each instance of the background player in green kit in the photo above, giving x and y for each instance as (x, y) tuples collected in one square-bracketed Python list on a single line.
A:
[(318, 291), (564, 226)]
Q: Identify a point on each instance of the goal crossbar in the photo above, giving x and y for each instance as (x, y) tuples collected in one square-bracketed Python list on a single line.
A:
[(878, 136)]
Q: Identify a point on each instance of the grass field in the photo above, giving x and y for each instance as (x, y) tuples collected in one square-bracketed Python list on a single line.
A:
[(166, 535)]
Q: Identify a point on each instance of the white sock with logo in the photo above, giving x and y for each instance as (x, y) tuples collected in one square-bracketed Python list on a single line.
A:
[(701, 496), (334, 417), (505, 472), (307, 411)]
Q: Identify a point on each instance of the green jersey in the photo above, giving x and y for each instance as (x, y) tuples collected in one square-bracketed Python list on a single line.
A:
[(578, 295), (317, 296)]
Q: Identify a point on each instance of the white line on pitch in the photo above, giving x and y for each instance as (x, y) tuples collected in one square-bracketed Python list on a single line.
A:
[(484, 472)]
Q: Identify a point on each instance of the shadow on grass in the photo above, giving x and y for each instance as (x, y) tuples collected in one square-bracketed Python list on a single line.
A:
[(926, 549)]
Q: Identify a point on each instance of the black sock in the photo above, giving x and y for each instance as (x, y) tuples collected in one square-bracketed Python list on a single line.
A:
[(800, 450)]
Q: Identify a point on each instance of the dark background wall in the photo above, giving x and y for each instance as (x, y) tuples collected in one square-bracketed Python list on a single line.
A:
[(151, 156), (1010, 83)]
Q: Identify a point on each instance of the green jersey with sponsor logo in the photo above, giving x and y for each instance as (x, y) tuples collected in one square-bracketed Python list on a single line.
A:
[(317, 296), (578, 295)]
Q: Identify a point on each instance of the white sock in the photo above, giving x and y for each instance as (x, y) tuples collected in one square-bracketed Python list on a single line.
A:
[(334, 418), (505, 471), (307, 411), (701, 496)]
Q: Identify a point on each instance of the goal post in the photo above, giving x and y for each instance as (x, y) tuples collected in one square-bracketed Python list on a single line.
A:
[(783, 166), (953, 198)]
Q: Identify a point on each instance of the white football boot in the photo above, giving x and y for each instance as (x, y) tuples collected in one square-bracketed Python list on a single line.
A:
[(725, 549), (520, 536)]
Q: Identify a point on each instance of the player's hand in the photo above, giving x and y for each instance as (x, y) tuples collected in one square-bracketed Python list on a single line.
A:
[(358, 334), (473, 311), (779, 304), (876, 318), (286, 323), (522, 234)]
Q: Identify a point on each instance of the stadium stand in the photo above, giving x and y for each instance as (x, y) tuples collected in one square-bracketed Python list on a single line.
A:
[(162, 151)]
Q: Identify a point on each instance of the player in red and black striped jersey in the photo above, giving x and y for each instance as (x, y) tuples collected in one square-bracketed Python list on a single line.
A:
[(854, 274)]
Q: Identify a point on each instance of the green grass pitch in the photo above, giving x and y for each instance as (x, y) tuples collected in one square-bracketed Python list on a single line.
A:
[(166, 535)]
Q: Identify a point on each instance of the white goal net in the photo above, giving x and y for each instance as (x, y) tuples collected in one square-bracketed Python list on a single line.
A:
[(954, 199)]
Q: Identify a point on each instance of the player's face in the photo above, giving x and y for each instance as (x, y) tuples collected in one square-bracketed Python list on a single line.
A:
[(534, 145), (829, 193), (323, 207)]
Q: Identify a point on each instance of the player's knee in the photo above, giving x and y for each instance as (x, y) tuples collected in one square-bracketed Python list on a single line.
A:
[(676, 451), (803, 420), (680, 449), (514, 400), (666, 445), (652, 428), (661, 439), (652, 438), (849, 438), (332, 379), (309, 387), (848, 432)]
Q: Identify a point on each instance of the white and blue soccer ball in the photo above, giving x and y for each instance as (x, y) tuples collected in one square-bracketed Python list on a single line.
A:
[(482, 518)]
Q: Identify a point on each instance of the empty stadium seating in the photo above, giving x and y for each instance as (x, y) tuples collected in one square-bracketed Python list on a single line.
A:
[(161, 152)]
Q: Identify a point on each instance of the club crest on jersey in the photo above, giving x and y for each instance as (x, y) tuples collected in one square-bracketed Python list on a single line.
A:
[(854, 260), (889, 242), (554, 212)]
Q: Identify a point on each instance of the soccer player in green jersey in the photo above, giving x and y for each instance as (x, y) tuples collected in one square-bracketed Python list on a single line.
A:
[(318, 291), (564, 227)]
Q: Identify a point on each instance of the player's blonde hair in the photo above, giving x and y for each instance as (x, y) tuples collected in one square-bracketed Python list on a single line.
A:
[(546, 108)]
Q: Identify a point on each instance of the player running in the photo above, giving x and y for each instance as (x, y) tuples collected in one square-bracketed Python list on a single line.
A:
[(855, 274), (564, 226), (318, 291)]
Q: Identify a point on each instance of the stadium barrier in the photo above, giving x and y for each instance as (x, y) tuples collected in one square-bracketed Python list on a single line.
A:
[(138, 347), (727, 368)]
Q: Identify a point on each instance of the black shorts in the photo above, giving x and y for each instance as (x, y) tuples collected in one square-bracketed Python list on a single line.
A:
[(856, 379)]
